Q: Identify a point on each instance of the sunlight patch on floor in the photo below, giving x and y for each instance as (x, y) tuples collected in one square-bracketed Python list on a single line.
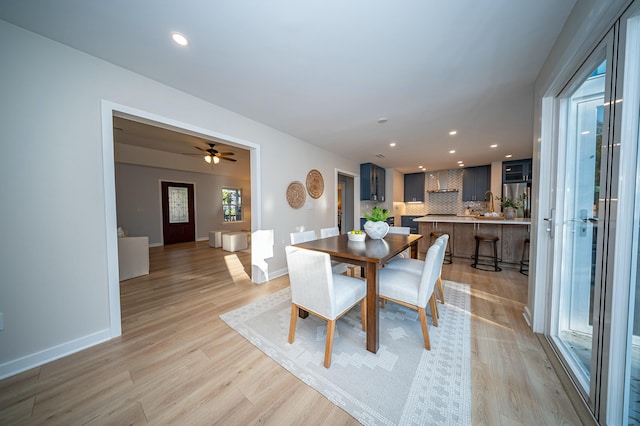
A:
[(236, 269)]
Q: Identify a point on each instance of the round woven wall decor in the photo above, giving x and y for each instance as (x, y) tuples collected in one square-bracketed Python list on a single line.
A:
[(296, 194), (315, 183)]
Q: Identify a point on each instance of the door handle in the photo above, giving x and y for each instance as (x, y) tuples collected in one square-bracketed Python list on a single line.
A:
[(550, 224)]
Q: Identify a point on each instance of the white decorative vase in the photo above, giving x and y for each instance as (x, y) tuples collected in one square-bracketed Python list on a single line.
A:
[(376, 230), (509, 213)]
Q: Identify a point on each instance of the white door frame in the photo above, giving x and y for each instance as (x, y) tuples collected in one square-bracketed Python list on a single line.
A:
[(109, 109)]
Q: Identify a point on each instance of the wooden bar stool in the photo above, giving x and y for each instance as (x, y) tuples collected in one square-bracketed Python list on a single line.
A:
[(447, 254), (524, 260), (494, 258)]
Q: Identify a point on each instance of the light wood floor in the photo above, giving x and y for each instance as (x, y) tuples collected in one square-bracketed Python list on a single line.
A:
[(178, 363)]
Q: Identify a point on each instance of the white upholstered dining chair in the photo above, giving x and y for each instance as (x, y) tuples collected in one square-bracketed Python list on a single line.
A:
[(337, 267), (416, 266), (319, 291), (415, 290), (302, 237), (402, 230)]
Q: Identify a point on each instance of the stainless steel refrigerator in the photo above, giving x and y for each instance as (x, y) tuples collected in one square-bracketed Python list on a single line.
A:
[(515, 190)]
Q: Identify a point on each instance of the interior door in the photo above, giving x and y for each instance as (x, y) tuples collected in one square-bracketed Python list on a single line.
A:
[(178, 215)]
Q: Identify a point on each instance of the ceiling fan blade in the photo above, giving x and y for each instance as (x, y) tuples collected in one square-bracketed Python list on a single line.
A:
[(226, 153), (228, 159)]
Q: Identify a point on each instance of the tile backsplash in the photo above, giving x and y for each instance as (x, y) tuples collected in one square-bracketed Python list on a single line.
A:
[(443, 202)]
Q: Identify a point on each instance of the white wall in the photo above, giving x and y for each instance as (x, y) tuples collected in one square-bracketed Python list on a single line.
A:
[(54, 280), (139, 208)]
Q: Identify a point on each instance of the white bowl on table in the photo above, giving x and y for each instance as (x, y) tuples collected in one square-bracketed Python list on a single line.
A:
[(356, 237)]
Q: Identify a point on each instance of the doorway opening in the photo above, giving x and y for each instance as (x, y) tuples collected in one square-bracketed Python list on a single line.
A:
[(345, 203), (112, 111)]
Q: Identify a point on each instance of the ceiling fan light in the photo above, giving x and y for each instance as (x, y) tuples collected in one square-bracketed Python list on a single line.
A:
[(216, 160), (207, 158)]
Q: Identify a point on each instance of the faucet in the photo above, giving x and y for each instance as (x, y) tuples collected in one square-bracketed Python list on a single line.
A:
[(491, 196)]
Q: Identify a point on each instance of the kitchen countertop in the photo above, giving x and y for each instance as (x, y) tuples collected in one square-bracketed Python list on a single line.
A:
[(473, 219)]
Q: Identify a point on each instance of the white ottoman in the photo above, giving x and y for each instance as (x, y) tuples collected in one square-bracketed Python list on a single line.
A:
[(215, 238), (133, 257), (234, 241)]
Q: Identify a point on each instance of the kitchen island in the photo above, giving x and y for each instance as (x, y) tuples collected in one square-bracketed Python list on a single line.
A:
[(463, 229)]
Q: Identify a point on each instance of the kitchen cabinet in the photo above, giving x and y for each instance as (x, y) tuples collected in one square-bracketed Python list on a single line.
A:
[(464, 242), (516, 171), (408, 221), (414, 188), (425, 229), (513, 242), (475, 182), (372, 182)]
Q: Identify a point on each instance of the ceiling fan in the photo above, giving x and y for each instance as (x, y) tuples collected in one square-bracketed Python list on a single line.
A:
[(212, 155)]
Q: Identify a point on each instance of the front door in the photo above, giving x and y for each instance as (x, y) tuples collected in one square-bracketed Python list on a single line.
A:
[(178, 216)]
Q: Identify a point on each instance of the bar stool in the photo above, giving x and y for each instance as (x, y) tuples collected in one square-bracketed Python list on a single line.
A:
[(494, 264), (448, 260), (524, 260)]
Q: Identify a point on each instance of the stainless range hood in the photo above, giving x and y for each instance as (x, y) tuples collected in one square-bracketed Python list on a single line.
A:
[(443, 182)]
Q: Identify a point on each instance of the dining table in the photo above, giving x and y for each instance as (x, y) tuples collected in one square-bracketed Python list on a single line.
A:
[(371, 255)]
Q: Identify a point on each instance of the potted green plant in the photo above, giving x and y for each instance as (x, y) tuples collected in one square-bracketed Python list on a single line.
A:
[(510, 206), (376, 226)]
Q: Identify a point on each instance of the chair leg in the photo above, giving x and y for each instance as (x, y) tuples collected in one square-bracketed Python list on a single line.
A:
[(434, 308), (383, 303), (425, 328), (331, 326), (441, 289), (363, 313), (293, 322)]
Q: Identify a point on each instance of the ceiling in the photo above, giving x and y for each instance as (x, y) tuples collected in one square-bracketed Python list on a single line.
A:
[(185, 143), (327, 71)]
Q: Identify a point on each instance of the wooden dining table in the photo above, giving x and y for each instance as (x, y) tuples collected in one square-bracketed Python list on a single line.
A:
[(371, 255)]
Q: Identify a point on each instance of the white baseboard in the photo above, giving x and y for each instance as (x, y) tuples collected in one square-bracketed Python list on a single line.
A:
[(37, 359), (527, 316), (278, 273)]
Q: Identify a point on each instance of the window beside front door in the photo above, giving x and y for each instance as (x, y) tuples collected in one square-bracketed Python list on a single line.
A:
[(232, 204)]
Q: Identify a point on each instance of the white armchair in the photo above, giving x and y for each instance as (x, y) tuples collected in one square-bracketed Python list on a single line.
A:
[(317, 290)]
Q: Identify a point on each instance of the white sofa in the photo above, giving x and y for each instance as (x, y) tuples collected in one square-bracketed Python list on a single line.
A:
[(133, 257)]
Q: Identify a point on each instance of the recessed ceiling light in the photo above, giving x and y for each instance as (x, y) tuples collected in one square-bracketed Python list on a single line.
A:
[(459, 161), (392, 144), (180, 39), (495, 145), (382, 120), (453, 132), (461, 165), (453, 151), (421, 167), (508, 156)]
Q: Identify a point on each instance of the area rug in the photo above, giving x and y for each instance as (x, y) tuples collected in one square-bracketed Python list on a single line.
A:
[(402, 384)]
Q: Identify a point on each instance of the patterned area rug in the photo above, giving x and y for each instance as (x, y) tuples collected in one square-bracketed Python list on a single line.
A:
[(402, 384)]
